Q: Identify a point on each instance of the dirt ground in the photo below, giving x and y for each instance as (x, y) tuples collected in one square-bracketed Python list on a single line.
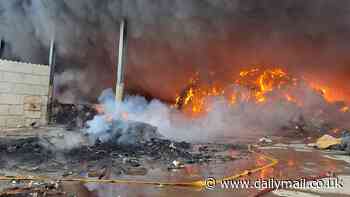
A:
[(296, 160)]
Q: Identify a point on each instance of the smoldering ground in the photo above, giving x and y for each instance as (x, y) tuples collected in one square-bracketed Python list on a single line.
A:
[(169, 40)]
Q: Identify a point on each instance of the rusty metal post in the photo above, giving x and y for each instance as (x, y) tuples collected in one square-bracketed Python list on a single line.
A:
[(51, 80), (119, 89)]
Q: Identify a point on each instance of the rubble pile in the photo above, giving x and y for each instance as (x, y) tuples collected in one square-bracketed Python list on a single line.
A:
[(134, 139), (128, 150), (29, 150), (72, 115), (165, 150)]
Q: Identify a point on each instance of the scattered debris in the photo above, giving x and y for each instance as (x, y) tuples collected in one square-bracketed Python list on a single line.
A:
[(265, 140), (72, 115), (41, 155), (28, 150), (326, 141), (176, 165)]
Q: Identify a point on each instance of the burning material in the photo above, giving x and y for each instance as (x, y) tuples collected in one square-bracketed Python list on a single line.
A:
[(260, 82), (265, 89), (258, 100), (257, 82)]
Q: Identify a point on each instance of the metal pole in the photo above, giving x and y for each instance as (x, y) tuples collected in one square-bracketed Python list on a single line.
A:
[(119, 89), (51, 80)]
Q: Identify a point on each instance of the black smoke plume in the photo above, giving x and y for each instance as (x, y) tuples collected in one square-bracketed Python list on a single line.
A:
[(169, 40)]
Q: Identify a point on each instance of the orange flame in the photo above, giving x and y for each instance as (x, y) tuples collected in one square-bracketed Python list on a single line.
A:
[(330, 94), (258, 81)]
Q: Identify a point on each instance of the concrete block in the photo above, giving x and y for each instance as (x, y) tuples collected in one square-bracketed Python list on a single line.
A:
[(11, 110), (2, 122), (42, 90), (45, 80), (15, 110), (32, 114), (13, 77), (24, 89), (13, 122), (4, 109), (5, 87), (32, 79), (32, 99), (30, 89), (41, 70), (18, 67), (11, 99)]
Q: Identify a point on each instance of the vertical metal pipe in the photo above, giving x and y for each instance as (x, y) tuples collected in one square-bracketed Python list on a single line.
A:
[(51, 55), (119, 89), (51, 80)]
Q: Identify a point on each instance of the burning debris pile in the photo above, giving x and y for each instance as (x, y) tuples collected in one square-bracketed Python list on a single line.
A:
[(252, 85), (255, 85), (259, 100), (265, 99)]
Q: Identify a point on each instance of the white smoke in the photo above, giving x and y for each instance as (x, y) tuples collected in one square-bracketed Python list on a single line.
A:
[(223, 120)]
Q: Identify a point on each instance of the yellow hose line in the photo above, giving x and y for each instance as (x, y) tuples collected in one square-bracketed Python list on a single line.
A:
[(199, 183)]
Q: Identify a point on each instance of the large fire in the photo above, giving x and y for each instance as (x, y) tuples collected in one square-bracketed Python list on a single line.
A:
[(252, 85)]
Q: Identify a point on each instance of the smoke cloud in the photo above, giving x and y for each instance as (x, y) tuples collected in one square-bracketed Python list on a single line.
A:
[(169, 40), (224, 120)]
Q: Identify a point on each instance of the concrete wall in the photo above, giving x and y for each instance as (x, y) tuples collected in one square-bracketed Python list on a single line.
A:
[(23, 93)]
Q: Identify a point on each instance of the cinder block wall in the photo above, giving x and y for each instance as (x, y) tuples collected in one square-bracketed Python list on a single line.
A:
[(23, 93)]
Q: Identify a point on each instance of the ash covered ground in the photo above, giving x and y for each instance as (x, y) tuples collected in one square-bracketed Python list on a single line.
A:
[(58, 152)]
